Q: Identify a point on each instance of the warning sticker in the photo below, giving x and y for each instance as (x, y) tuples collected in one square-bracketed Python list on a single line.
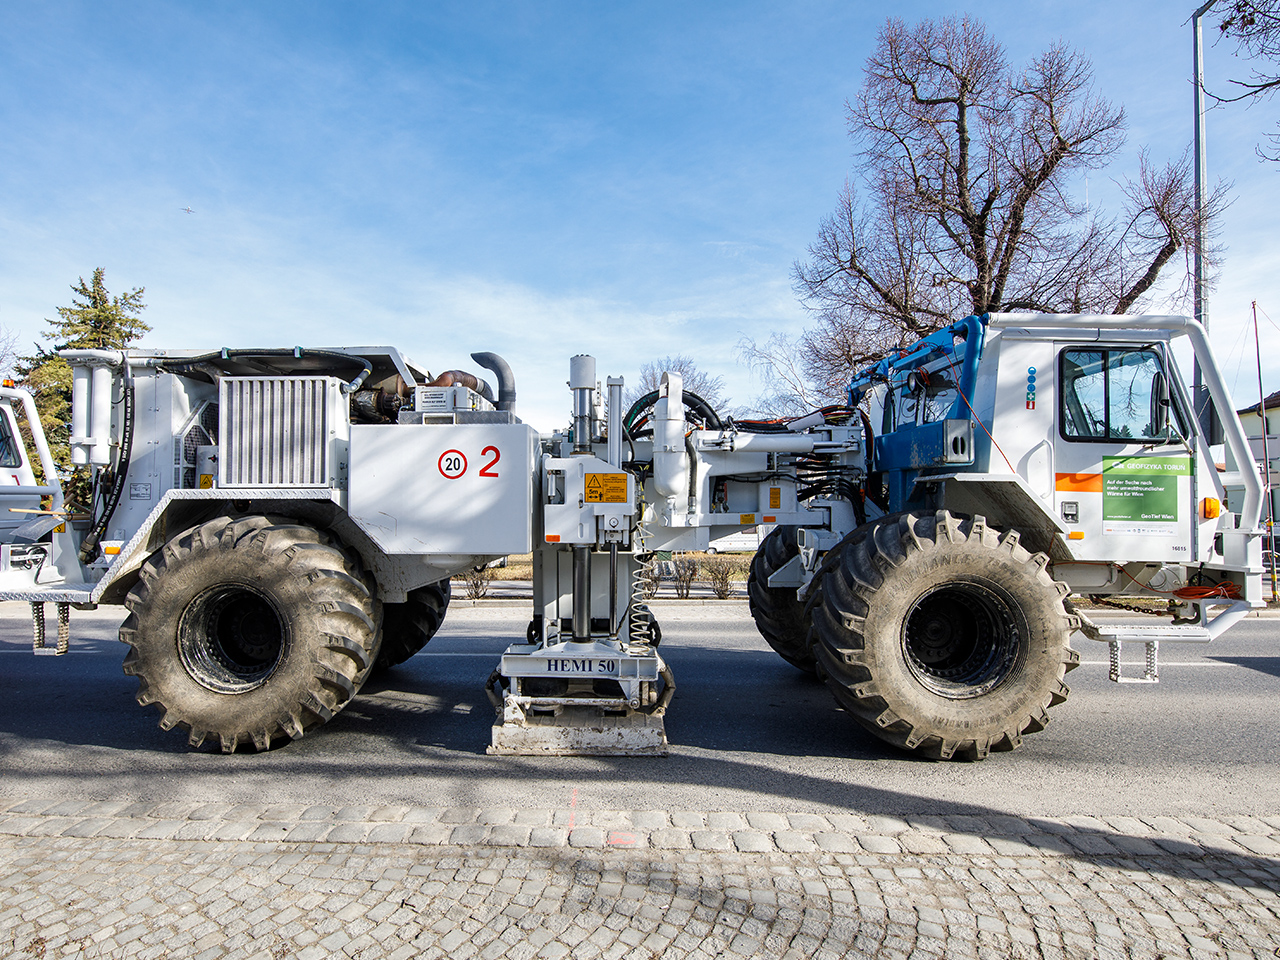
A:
[(775, 498), (606, 488)]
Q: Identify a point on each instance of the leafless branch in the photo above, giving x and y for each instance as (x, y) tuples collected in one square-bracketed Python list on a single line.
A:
[(963, 199)]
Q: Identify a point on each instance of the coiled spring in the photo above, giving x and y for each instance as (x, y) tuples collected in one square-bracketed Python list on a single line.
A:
[(641, 621)]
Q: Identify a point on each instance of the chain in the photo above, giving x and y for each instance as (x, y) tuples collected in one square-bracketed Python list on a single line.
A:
[(1103, 601)]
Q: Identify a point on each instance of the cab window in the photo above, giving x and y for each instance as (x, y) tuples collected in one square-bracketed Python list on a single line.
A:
[(10, 449), (924, 395), (1112, 394), (939, 395)]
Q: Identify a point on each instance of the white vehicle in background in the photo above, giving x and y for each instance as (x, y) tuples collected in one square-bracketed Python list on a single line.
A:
[(748, 541)]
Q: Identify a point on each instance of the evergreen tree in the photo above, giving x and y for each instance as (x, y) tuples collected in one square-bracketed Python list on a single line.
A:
[(95, 320)]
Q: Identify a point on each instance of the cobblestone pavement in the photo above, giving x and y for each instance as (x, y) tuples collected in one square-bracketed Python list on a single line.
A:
[(114, 879)]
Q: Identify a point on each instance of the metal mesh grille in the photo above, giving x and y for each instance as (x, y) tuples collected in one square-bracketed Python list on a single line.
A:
[(200, 430), (274, 431)]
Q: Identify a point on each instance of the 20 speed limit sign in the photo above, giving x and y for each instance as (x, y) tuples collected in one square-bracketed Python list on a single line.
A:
[(453, 464)]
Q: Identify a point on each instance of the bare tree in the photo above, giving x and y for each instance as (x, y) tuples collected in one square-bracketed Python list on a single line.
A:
[(963, 199), (1255, 27), (790, 388), (693, 379), (8, 352)]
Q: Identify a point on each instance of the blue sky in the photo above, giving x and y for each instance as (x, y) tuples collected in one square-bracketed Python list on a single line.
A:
[(630, 180)]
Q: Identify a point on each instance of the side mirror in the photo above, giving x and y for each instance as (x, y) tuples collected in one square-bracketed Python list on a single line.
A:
[(1159, 405)]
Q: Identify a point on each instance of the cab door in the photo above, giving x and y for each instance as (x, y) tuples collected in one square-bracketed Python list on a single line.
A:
[(1123, 481)]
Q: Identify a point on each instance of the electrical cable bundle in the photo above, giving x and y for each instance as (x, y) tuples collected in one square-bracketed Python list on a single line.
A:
[(819, 475), (758, 426), (836, 414)]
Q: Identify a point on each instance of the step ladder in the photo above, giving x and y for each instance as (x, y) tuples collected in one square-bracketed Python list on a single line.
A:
[(38, 646)]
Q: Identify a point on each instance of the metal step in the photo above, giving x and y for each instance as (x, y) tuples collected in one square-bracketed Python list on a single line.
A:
[(54, 593), (1150, 635), (1147, 633)]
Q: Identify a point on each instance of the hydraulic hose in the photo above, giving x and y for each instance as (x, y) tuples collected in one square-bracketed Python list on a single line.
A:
[(91, 541), (691, 400), (693, 471), (194, 363)]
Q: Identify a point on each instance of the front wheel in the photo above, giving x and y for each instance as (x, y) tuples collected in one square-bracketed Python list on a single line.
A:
[(247, 630), (942, 635)]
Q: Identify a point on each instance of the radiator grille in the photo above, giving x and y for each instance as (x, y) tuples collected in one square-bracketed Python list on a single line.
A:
[(274, 431)]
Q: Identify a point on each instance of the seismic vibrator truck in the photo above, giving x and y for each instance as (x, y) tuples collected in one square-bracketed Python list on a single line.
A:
[(281, 522)]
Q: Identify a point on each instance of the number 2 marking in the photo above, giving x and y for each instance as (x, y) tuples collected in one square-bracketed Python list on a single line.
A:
[(488, 469)]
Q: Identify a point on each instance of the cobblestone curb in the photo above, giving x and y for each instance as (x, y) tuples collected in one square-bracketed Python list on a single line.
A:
[(717, 831), (65, 896)]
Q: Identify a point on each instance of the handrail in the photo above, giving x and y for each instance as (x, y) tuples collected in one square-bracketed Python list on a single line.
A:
[(42, 448)]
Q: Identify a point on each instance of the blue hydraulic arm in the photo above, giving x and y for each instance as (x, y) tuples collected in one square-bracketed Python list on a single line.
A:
[(972, 332), (910, 448)]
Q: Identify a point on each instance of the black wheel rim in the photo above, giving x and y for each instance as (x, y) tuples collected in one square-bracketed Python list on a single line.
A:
[(961, 640), (231, 638)]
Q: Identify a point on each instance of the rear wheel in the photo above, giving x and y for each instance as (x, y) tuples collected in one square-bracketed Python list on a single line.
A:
[(779, 615), (942, 635), (406, 627), (247, 630)]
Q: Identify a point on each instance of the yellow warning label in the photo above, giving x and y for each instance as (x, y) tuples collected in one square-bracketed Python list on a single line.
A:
[(606, 488), (775, 498), (746, 518), (206, 481)]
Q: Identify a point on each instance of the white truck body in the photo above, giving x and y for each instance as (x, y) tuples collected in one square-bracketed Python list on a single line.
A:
[(279, 522)]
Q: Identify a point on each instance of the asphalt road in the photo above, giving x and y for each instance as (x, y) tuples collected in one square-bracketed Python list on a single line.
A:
[(747, 731)]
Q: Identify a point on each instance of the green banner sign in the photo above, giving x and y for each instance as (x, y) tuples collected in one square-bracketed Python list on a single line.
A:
[(1142, 490)]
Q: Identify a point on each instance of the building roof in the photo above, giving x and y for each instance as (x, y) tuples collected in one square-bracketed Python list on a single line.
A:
[(1272, 402)]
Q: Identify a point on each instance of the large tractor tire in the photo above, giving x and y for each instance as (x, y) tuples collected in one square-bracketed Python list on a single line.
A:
[(406, 627), (942, 635), (249, 630), (780, 617)]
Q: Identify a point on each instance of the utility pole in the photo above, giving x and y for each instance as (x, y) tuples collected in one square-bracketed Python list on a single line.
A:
[(1266, 458)]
